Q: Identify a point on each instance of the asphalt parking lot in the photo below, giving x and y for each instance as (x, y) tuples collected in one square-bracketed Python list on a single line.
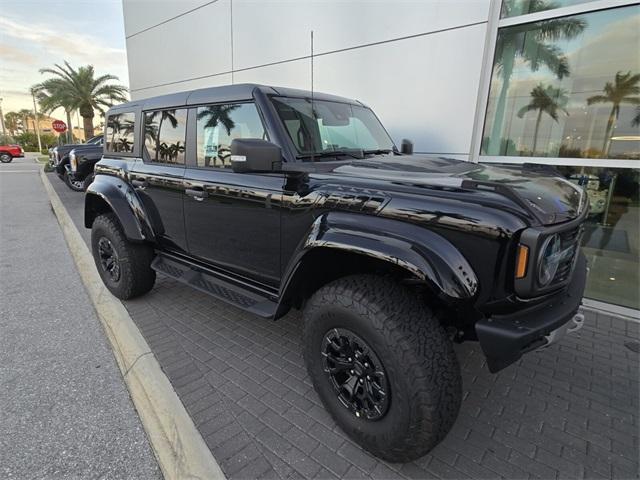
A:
[(568, 412)]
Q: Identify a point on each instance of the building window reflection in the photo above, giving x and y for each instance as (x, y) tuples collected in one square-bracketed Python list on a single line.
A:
[(567, 87)]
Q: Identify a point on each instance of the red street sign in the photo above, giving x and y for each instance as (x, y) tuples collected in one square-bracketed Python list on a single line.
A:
[(59, 126)]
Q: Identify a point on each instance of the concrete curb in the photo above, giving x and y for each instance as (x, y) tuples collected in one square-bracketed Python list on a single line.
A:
[(178, 446)]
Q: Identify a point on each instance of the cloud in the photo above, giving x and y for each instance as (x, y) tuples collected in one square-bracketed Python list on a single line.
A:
[(16, 55), (76, 47)]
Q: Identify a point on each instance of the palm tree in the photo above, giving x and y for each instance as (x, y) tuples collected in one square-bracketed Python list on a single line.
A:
[(624, 86), (530, 46), (544, 99), (13, 121), (78, 90), (218, 114), (169, 115), (25, 115)]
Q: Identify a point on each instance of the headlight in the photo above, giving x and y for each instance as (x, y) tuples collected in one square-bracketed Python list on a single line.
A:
[(549, 259), (73, 161)]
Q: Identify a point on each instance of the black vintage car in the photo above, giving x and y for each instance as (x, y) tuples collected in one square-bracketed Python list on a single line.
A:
[(270, 199)]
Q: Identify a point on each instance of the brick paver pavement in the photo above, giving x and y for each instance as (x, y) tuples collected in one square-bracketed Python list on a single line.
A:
[(568, 412)]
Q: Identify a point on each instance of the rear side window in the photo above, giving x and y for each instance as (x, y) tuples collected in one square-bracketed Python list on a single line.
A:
[(164, 135), (120, 128), (218, 125)]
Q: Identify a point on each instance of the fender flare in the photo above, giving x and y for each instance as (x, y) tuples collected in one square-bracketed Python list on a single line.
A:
[(423, 253), (122, 200)]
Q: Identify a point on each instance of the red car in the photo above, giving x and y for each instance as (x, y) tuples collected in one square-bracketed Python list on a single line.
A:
[(8, 152)]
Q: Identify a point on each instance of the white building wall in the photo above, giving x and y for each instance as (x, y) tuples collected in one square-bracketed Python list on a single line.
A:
[(416, 63)]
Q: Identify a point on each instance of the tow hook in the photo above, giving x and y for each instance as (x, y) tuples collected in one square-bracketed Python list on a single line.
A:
[(571, 326)]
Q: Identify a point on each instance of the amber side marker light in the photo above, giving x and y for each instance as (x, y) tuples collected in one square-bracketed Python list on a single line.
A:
[(521, 264)]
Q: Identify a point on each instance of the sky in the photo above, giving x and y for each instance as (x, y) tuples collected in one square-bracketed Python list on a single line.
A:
[(37, 34)]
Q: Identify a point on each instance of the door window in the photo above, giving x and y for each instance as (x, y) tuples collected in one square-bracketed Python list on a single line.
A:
[(120, 128), (218, 125), (164, 135)]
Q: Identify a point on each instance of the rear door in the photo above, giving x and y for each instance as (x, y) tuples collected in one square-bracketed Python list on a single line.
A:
[(232, 220), (158, 177)]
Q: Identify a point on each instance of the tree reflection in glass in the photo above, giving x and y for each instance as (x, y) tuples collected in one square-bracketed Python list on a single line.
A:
[(544, 99), (211, 117), (624, 89), (591, 59)]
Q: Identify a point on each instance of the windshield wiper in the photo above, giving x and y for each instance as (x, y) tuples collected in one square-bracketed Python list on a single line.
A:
[(379, 151), (355, 153)]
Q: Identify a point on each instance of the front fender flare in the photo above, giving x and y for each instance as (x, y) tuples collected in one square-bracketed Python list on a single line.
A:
[(123, 202), (425, 254)]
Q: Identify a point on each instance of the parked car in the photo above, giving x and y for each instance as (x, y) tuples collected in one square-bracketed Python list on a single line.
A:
[(79, 170), (59, 156), (9, 152), (271, 199)]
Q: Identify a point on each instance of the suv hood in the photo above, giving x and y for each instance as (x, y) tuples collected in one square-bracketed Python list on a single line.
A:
[(551, 198)]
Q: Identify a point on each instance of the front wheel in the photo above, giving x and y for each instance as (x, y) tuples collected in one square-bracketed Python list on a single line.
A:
[(125, 267), (73, 184), (382, 366), (88, 181), (6, 158)]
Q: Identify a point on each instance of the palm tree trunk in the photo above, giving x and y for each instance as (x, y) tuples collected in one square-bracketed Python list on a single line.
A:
[(535, 133), (607, 133), (87, 125), (495, 140), (158, 136), (69, 127)]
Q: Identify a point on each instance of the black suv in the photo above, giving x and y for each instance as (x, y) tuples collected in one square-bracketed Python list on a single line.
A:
[(271, 198)]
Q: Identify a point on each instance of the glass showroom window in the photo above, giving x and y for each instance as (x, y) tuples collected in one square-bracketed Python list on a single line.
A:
[(567, 87), (512, 8)]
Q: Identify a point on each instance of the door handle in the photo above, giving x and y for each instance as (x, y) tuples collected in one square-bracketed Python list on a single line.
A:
[(140, 183), (198, 194)]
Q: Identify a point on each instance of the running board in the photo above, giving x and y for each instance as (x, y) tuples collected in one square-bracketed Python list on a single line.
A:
[(208, 282)]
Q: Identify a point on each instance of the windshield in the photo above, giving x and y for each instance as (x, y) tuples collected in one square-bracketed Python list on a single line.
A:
[(333, 127)]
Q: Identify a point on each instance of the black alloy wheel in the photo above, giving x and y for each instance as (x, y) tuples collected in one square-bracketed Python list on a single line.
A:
[(356, 374), (109, 258)]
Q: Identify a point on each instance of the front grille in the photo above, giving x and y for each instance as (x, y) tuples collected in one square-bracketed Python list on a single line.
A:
[(569, 239)]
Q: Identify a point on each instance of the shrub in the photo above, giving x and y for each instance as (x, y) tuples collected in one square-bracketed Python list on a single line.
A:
[(6, 139)]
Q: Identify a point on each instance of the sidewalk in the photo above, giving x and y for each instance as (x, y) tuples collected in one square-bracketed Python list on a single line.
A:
[(64, 409)]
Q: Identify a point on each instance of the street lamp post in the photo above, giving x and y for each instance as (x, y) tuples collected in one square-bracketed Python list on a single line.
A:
[(2, 118), (37, 123)]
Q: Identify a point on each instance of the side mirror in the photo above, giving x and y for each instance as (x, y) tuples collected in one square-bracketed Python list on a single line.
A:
[(406, 147), (255, 155)]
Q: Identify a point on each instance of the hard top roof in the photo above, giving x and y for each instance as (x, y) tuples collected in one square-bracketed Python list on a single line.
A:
[(228, 93)]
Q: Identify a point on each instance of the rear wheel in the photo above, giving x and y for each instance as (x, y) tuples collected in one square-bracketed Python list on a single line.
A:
[(125, 267), (382, 366), (75, 185), (5, 158)]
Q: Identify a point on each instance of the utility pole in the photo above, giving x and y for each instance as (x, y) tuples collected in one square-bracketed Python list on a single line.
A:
[(37, 123), (4, 132)]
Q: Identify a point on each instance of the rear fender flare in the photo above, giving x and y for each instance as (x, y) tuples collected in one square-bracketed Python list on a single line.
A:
[(123, 201), (423, 253)]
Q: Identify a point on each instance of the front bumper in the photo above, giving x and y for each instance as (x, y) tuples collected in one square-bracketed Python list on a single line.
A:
[(505, 338)]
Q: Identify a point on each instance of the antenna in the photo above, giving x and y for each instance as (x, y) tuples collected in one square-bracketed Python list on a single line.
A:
[(312, 70), (313, 113)]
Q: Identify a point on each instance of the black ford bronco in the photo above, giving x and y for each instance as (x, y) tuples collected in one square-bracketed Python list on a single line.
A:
[(271, 198)]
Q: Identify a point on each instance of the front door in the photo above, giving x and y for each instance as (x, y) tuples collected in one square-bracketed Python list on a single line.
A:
[(232, 220), (158, 179)]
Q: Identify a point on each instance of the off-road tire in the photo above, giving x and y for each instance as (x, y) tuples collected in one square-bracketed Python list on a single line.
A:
[(88, 181), (6, 158), (76, 187), (136, 277), (422, 369)]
